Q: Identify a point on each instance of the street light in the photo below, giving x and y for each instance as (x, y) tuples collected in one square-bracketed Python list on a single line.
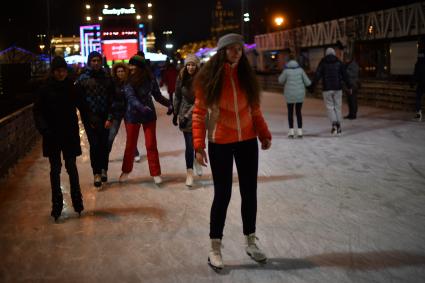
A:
[(279, 20), (150, 17), (138, 17), (246, 17), (168, 46), (88, 7), (149, 5)]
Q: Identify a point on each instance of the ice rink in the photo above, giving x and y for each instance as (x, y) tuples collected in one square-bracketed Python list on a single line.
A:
[(330, 209)]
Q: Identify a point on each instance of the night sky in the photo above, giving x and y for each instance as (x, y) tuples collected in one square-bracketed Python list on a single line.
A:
[(190, 20)]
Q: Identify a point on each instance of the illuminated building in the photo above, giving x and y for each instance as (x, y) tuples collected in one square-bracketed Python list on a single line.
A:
[(116, 32), (65, 46)]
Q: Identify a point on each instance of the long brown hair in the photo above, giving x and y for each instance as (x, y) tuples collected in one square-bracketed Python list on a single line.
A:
[(185, 77), (210, 78), (140, 76)]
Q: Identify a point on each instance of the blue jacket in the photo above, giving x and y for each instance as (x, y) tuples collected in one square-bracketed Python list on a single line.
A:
[(140, 107), (295, 80)]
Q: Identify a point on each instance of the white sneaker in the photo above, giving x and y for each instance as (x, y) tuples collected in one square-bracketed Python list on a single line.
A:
[(137, 158), (215, 260), (189, 178), (197, 167), (123, 177), (300, 133), (252, 249), (157, 180), (291, 133)]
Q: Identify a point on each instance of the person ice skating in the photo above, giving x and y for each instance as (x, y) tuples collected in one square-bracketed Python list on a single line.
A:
[(183, 107), (95, 91), (120, 73), (332, 73), (141, 111), (55, 116), (295, 80), (227, 94), (419, 80), (169, 76), (352, 69)]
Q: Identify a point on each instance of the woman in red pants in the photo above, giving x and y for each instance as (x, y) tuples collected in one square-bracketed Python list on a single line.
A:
[(140, 110)]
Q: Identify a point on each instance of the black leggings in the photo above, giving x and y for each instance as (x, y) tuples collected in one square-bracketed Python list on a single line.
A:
[(221, 157), (298, 107)]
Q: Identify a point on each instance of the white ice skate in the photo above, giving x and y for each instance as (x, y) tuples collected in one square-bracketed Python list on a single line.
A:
[(291, 133), (189, 178), (252, 249), (123, 177), (300, 133), (197, 167), (215, 259), (157, 180)]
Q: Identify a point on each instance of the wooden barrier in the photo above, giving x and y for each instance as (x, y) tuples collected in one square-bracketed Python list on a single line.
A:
[(377, 93)]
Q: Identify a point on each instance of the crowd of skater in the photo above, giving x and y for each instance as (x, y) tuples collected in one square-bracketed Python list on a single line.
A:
[(216, 107)]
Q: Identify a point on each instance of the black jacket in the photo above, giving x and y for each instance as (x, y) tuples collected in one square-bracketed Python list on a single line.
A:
[(332, 73), (419, 74), (94, 92), (56, 118)]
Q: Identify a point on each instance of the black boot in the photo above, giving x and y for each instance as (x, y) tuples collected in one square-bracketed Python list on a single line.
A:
[(77, 200), (57, 205)]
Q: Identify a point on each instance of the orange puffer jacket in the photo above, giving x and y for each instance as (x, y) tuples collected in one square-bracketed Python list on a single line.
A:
[(232, 120)]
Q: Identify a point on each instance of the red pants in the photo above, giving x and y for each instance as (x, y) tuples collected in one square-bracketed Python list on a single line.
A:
[(149, 130)]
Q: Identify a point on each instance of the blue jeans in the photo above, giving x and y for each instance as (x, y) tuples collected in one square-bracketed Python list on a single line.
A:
[(189, 152)]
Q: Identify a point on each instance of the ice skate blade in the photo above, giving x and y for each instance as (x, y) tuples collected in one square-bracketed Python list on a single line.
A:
[(264, 261), (215, 268)]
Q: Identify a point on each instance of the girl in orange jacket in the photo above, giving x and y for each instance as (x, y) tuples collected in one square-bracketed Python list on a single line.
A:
[(227, 109)]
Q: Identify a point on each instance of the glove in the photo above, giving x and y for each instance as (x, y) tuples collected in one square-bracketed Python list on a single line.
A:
[(170, 109), (183, 123), (146, 110), (175, 120)]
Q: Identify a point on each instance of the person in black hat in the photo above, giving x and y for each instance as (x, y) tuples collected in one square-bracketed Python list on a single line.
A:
[(56, 119), (95, 90)]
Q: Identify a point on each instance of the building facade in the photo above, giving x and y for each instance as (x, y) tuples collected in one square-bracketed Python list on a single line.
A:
[(385, 43)]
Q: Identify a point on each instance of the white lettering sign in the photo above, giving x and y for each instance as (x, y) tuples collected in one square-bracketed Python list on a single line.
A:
[(120, 11)]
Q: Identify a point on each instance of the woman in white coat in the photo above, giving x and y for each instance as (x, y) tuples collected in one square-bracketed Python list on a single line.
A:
[(295, 80)]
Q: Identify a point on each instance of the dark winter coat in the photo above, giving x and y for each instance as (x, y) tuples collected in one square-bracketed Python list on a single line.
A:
[(332, 73), (353, 69), (56, 118), (183, 104), (419, 74), (118, 106), (95, 90), (140, 107), (169, 78)]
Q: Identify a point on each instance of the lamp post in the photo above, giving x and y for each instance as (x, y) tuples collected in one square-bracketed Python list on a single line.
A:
[(279, 21)]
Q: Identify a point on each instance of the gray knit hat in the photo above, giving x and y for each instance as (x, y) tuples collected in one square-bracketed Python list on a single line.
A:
[(229, 39), (191, 58), (330, 51)]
